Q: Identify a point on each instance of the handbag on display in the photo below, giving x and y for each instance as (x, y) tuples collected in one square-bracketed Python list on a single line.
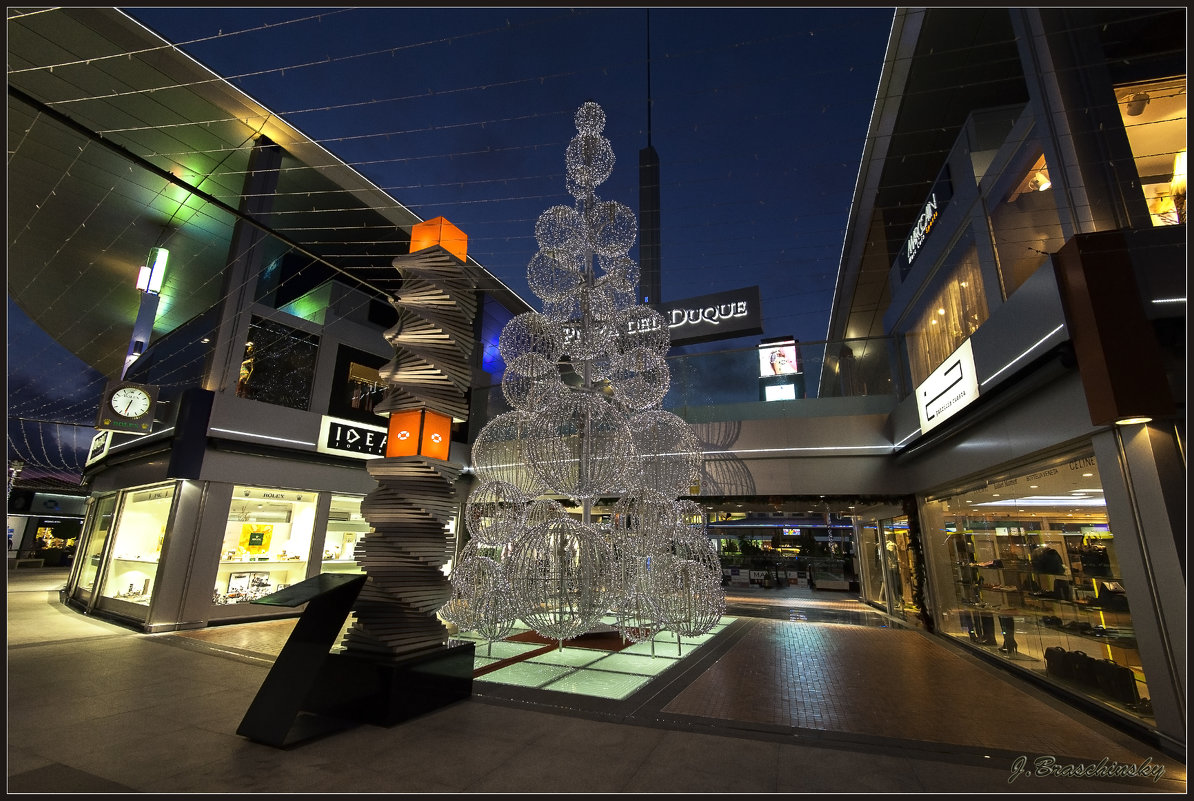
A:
[(1055, 663), (1117, 681), (1081, 667), (1047, 560)]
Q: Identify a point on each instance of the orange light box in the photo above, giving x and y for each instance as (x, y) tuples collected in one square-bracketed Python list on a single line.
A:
[(419, 432), (439, 231)]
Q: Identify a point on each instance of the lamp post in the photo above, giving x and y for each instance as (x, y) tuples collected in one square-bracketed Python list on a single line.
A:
[(149, 282)]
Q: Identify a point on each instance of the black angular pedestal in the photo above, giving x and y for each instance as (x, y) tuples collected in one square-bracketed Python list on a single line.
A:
[(384, 691), (311, 692)]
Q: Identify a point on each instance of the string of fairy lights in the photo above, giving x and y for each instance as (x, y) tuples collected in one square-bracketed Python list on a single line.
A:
[(713, 243)]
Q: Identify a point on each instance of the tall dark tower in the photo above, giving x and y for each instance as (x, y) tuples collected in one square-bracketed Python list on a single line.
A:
[(650, 282)]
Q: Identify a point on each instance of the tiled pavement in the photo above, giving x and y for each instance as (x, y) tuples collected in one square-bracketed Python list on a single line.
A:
[(778, 703)]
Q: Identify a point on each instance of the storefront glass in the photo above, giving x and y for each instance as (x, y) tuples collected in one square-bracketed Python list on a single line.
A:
[(346, 529), (1024, 567), (871, 563), (267, 543), (96, 538), (137, 544), (897, 564)]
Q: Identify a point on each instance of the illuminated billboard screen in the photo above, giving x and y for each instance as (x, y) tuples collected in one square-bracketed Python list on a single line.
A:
[(779, 359)]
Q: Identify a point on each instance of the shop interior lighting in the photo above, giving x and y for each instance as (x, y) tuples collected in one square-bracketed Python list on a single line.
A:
[(1047, 500), (1132, 421)]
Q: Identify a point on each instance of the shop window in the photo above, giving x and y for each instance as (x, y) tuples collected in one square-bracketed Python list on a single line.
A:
[(357, 386), (278, 365), (1154, 116), (137, 544), (897, 568), (953, 313), (99, 526), (1025, 568), (346, 530), (267, 543), (1025, 227)]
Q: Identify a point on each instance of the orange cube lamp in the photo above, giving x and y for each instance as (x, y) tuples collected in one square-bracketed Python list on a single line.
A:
[(439, 231), (419, 432)]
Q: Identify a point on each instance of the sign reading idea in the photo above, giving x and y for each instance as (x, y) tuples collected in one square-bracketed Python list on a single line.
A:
[(734, 313), (348, 438)]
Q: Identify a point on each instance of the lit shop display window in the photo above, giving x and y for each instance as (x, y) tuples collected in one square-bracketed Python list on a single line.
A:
[(1025, 567), (100, 527), (137, 544), (267, 543), (1154, 117), (346, 529)]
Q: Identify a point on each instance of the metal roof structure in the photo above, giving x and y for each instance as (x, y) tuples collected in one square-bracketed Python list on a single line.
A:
[(119, 142)]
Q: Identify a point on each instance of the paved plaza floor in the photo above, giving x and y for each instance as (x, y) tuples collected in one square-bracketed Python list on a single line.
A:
[(799, 691)]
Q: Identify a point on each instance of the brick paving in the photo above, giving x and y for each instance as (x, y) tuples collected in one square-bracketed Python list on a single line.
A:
[(770, 704)]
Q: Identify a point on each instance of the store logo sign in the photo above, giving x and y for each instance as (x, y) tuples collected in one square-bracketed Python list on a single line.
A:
[(930, 213), (348, 438), (100, 444), (924, 224), (951, 388), (735, 313)]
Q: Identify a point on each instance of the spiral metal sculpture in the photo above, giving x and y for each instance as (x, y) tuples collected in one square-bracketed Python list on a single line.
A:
[(405, 553)]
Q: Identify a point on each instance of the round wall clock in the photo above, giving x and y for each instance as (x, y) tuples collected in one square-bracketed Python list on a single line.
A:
[(130, 402)]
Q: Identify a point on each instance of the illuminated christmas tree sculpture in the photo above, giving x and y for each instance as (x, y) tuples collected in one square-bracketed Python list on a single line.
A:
[(585, 379)]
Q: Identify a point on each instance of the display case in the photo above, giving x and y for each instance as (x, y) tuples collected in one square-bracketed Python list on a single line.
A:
[(267, 544)]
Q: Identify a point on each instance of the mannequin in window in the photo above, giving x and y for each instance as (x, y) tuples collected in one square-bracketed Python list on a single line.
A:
[(246, 372)]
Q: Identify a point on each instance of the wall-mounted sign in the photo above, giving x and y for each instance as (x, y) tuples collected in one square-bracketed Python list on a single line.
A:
[(269, 494), (952, 387), (348, 438), (100, 444), (735, 313), (925, 221)]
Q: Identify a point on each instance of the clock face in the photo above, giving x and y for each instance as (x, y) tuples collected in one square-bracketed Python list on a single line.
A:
[(130, 402)]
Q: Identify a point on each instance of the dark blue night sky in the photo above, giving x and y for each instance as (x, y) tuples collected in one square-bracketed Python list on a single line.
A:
[(759, 117)]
